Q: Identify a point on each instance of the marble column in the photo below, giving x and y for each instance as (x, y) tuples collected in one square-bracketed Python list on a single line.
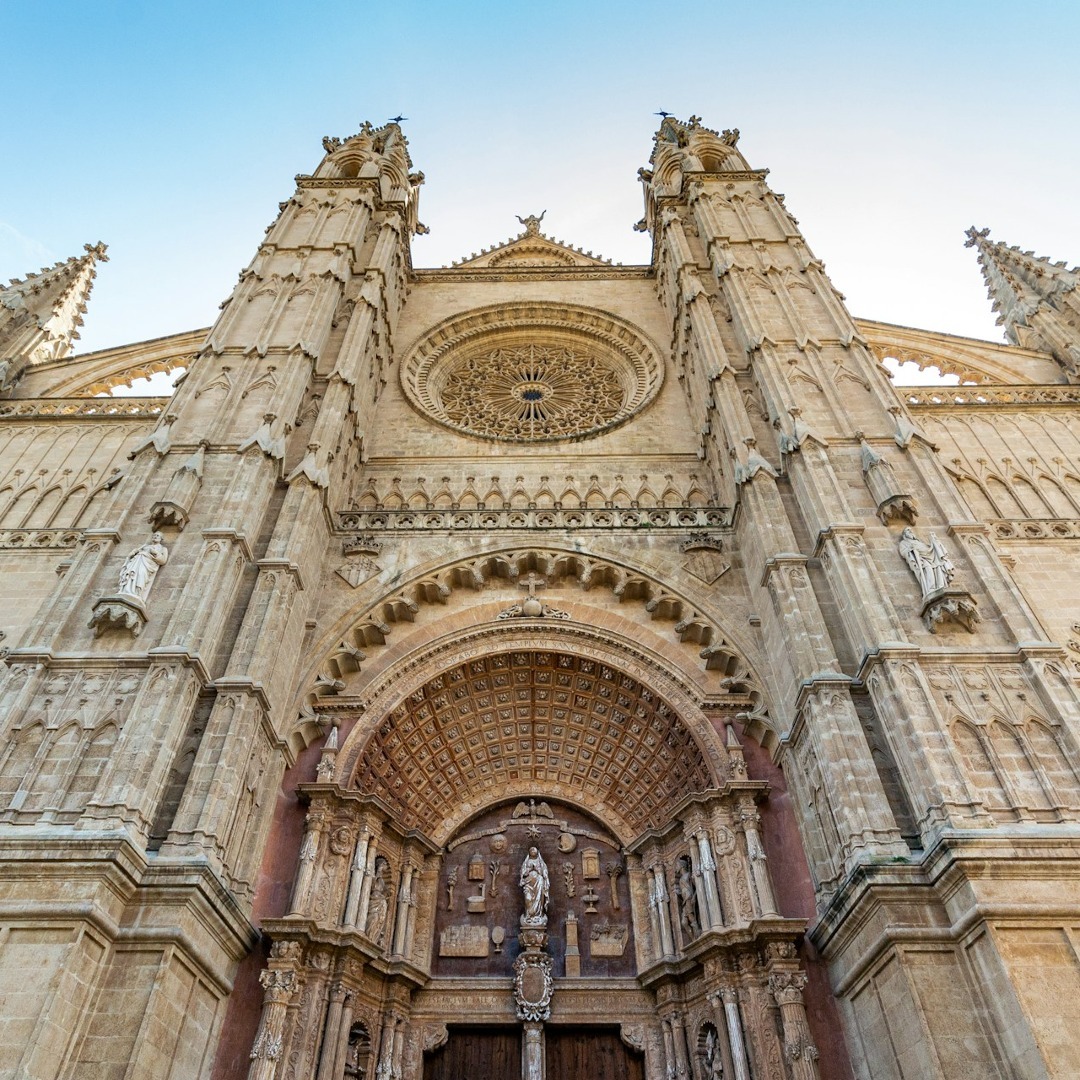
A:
[(759, 870), (708, 877), (278, 987), (305, 874), (328, 1058), (787, 987), (356, 879), (739, 1060), (532, 1052)]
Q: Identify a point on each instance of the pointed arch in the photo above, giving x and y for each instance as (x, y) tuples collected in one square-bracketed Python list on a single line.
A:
[(19, 762), (92, 760), (979, 767), (1016, 767), (52, 774)]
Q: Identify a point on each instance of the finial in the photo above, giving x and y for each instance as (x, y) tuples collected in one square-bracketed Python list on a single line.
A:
[(97, 250), (531, 223), (975, 235)]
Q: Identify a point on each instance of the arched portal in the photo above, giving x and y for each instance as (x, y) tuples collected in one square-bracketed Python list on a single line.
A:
[(482, 754)]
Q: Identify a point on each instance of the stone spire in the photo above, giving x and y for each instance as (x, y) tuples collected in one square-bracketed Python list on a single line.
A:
[(40, 314), (1037, 301)]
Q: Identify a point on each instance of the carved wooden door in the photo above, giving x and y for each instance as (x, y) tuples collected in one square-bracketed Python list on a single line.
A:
[(595, 1053), (477, 1053)]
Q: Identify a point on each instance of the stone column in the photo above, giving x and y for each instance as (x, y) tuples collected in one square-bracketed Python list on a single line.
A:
[(341, 1044), (654, 915), (356, 879), (278, 987), (678, 1037), (708, 878), (755, 852), (365, 888), (401, 916), (385, 1070), (669, 1050), (717, 1003), (787, 987), (739, 1060), (399, 1048), (663, 911), (309, 851), (328, 1058), (532, 1052), (573, 953)]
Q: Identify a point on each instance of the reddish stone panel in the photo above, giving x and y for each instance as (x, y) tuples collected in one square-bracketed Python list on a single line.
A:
[(795, 897)]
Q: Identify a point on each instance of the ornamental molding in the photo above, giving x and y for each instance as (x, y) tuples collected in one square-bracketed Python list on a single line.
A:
[(39, 539), (532, 372), (677, 517), (974, 397), (1037, 529), (82, 408)]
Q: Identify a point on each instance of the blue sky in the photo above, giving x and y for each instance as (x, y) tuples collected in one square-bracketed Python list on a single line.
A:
[(172, 131)]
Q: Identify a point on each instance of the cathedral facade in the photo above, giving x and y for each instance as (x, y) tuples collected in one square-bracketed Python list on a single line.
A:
[(539, 668)]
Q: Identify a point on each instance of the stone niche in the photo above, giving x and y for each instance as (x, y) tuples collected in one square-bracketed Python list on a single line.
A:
[(476, 923)]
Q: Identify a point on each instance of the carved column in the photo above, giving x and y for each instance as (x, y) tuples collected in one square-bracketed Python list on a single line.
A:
[(385, 1070), (309, 851), (365, 888), (341, 1044), (399, 1049), (532, 1052), (669, 1050), (736, 1041), (755, 852), (787, 987), (663, 911), (278, 987), (401, 917), (356, 879), (678, 1037), (708, 876), (654, 915), (717, 1003), (328, 1058)]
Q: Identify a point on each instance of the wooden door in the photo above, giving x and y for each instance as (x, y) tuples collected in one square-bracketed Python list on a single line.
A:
[(477, 1053), (596, 1053)]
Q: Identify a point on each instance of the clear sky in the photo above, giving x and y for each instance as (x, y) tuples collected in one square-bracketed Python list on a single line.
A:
[(172, 130)]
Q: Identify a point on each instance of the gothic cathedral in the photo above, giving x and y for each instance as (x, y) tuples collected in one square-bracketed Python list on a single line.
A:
[(537, 668)]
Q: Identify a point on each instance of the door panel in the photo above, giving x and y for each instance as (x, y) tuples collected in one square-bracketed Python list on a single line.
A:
[(597, 1053), (477, 1053)]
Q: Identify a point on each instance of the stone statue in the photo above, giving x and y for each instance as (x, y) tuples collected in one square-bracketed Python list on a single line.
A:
[(929, 562), (536, 886), (379, 904), (687, 890), (714, 1064), (141, 567)]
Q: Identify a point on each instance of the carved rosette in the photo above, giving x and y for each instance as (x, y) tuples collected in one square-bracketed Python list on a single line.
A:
[(533, 986)]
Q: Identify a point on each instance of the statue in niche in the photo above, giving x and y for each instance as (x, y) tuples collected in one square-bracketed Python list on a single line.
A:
[(141, 567), (379, 904), (714, 1064), (929, 562), (536, 886), (687, 892)]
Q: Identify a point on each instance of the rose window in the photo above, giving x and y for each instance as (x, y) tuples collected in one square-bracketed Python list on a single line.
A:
[(534, 373), (532, 392)]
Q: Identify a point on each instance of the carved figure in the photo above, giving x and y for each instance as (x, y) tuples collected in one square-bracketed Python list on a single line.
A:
[(141, 567), (714, 1065), (451, 881), (536, 886), (929, 562), (687, 892), (379, 904)]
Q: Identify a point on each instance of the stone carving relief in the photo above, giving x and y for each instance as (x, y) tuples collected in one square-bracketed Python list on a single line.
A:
[(127, 608), (379, 904)]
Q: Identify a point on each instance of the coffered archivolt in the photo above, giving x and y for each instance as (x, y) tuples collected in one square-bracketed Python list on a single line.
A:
[(566, 714), (532, 372), (351, 651)]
